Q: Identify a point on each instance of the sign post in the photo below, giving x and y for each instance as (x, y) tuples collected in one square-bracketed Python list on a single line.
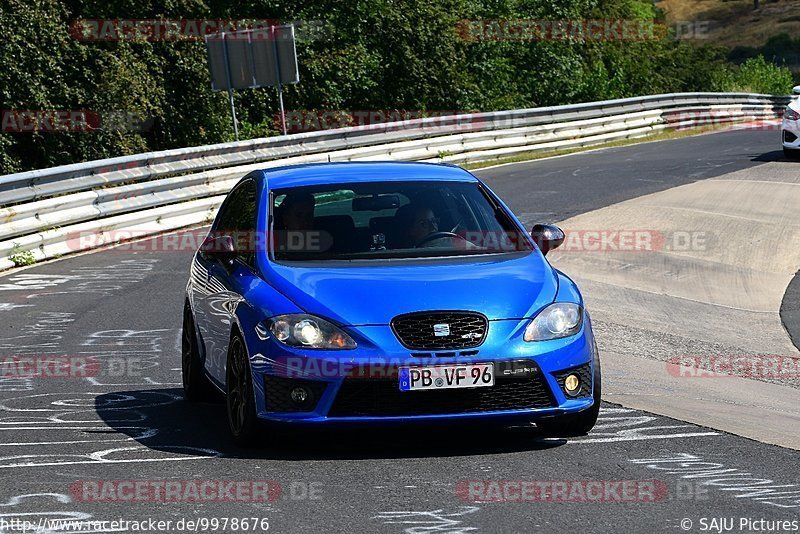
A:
[(278, 78), (230, 88), (253, 58)]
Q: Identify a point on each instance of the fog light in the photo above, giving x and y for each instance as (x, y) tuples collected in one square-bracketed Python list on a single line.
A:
[(300, 395), (572, 384)]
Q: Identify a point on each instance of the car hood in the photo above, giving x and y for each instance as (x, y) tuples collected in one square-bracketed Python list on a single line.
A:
[(507, 286)]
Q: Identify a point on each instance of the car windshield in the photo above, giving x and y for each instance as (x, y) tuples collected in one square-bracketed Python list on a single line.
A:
[(371, 220)]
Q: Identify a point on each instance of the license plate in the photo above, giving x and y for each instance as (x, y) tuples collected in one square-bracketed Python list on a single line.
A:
[(446, 376)]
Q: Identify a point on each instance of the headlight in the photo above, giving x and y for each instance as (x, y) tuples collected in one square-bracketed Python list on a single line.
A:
[(560, 319), (302, 330), (791, 114)]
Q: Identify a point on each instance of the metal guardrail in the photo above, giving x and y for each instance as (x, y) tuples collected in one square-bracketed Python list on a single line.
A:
[(42, 211)]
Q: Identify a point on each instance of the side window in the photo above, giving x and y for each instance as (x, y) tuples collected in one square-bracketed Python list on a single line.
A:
[(238, 219), (229, 212)]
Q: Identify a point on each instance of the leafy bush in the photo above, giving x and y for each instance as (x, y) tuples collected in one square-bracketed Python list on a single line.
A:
[(756, 75), (20, 257)]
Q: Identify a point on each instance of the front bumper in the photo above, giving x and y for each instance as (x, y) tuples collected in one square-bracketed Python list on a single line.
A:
[(790, 134), (361, 386)]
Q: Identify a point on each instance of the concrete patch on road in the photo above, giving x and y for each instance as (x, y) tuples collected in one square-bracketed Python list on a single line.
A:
[(719, 290), (749, 408)]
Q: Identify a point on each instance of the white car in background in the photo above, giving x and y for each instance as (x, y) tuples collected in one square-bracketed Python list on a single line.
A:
[(790, 129)]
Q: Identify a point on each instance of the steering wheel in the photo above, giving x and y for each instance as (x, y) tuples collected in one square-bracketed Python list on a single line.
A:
[(438, 235)]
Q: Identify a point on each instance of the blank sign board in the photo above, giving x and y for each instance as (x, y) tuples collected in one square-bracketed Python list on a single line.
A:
[(239, 60), (287, 54), (217, 63), (252, 58)]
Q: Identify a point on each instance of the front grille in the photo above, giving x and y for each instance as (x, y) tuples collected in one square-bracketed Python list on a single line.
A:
[(277, 389), (455, 329), (519, 385), (584, 372)]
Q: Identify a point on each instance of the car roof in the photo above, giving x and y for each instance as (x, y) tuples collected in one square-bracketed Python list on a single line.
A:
[(346, 172)]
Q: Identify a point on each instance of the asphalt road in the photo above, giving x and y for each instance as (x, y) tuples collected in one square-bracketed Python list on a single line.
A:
[(555, 189), (69, 444), (790, 310)]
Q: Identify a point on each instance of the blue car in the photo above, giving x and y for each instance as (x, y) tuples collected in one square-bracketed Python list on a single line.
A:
[(374, 293)]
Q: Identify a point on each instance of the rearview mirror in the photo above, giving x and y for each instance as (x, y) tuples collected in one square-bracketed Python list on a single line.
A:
[(220, 247), (547, 237), (796, 90), (376, 203)]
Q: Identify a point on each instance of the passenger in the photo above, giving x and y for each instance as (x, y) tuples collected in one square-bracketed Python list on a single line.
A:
[(294, 218), (297, 212)]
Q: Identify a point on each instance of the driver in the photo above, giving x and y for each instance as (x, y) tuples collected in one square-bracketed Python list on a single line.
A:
[(416, 223)]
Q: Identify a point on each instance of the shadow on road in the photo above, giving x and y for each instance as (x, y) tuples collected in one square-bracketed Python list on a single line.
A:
[(775, 155), (176, 424)]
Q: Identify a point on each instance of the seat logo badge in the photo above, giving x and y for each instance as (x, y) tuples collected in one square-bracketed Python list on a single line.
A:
[(441, 330)]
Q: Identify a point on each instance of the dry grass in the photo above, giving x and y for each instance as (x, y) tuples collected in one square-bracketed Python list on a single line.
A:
[(661, 136), (733, 22)]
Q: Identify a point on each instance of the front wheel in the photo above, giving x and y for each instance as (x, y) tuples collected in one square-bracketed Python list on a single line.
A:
[(791, 153), (240, 399), (581, 423)]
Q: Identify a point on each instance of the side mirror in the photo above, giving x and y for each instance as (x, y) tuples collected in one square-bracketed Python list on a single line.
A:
[(220, 247), (796, 90), (547, 237)]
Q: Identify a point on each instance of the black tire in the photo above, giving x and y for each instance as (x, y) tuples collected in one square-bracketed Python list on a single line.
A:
[(791, 153), (240, 398), (196, 387), (581, 423)]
